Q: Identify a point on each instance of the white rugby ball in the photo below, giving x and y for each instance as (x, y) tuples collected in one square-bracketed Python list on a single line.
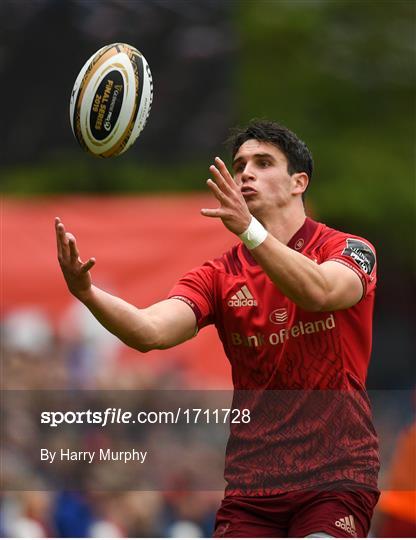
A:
[(111, 100)]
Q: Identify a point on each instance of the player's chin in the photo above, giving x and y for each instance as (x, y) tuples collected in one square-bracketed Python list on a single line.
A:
[(252, 203)]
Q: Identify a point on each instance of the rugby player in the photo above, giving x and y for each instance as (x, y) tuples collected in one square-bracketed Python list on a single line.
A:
[(292, 302)]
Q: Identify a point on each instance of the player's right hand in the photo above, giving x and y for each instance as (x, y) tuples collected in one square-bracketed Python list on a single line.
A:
[(76, 272)]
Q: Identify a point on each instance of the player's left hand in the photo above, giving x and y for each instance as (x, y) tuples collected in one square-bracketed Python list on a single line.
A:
[(233, 209)]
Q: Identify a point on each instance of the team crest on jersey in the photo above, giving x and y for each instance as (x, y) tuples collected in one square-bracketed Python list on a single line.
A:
[(299, 244), (279, 316), (361, 253)]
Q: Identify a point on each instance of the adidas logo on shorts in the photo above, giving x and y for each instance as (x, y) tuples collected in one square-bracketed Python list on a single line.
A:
[(347, 524), (241, 298)]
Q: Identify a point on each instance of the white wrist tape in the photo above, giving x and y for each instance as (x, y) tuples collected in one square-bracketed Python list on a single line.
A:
[(254, 235)]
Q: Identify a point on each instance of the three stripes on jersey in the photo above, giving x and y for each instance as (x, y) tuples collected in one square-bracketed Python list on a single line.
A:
[(242, 297), (347, 524)]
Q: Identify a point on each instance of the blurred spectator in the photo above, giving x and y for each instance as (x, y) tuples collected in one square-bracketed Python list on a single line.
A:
[(185, 529), (191, 507), (31, 358), (397, 505), (91, 351), (28, 331), (72, 515), (104, 529), (26, 514)]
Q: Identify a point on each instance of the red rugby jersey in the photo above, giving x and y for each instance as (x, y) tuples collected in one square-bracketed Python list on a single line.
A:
[(301, 374)]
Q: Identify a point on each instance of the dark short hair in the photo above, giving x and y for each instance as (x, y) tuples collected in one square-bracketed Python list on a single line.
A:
[(298, 155)]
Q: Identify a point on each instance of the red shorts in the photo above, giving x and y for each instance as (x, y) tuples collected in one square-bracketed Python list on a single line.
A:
[(342, 514)]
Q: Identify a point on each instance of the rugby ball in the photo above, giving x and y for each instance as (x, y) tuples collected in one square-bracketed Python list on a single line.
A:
[(111, 100)]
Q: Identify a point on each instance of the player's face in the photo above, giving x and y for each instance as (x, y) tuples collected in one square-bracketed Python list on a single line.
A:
[(260, 169)]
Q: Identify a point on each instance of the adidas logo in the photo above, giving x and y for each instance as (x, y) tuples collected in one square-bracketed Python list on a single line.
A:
[(241, 298), (347, 524)]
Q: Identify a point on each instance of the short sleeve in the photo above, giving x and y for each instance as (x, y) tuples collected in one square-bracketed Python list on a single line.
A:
[(355, 253), (196, 288)]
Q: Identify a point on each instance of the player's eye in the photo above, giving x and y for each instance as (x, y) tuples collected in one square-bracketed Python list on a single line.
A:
[(264, 163), (239, 168)]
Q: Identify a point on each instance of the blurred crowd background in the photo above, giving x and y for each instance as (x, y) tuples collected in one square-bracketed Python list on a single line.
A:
[(341, 74)]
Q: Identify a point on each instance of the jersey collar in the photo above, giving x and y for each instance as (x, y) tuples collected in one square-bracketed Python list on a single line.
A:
[(298, 242), (302, 237)]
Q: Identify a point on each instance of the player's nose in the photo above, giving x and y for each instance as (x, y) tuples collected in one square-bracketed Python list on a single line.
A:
[(247, 175)]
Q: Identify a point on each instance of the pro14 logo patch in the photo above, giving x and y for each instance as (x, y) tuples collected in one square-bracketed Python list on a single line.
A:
[(362, 254)]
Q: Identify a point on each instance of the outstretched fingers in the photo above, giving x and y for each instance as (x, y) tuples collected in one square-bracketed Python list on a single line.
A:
[(75, 259), (218, 193), (61, 240), (225, 172), (68, 251), (73, 250), (86, 267), (57, 235), (213, 212), (220, 181), (221, 198)]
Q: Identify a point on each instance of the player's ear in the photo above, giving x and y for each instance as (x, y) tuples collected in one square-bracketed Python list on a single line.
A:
[(300, 182)]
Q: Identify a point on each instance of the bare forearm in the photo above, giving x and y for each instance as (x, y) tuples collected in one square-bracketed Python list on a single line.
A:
[(159, 326), (131, 325), (298, 277)]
